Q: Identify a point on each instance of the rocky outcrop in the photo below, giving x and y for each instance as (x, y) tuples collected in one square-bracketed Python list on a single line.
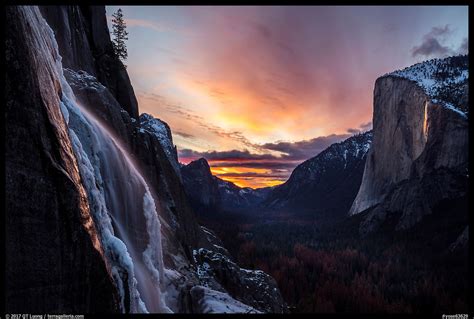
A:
[(217, 271), (97, 99), (84, 44), (184, 232), (54, 261), (419, 154), (210, 195), (162, 133), (399, 138), (206, 300), (201, 186), (327, 183), (251, 287)]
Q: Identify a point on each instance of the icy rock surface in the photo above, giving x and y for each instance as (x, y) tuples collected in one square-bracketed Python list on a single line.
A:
[(55, 260), (207, 300), (255, 288), (138, 272)]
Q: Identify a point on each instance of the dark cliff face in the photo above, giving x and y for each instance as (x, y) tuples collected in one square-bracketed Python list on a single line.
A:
[(210, 195), (84, 44), (96, 77), (184, 233), (54, 261), (419, 155), (162, 132), (201, 186), (325, 184)]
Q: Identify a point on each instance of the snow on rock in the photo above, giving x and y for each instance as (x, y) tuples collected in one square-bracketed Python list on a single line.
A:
[(162, 132), (217, 271), (215, 241), (355, 147), (461, 241), (444, 80), (85, 80), (326, 182), (206, 300)]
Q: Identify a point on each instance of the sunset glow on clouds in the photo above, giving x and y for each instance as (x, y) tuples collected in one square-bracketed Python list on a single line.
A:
[(262, 83)]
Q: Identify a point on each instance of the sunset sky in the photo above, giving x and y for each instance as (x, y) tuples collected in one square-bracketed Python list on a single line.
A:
[(258, 90)]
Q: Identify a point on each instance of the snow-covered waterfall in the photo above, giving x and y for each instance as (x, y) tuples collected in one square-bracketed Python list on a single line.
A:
[(121, 202)]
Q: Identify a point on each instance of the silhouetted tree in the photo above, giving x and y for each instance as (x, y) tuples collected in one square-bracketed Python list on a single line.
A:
[(120, 35)]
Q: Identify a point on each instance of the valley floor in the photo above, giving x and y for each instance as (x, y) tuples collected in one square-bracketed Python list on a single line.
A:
[(323, 266)]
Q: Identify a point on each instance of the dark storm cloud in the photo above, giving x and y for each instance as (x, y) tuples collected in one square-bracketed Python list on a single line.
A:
[(432, 43), (273, 174), (276, 167), (232, 155), (283, 165), (290, 151), (430, 47), (303, 150)]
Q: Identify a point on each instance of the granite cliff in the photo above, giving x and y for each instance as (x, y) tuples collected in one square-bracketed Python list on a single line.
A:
[(419, 154)]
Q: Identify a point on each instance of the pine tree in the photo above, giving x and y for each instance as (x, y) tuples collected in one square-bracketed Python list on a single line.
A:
[(120, 35)]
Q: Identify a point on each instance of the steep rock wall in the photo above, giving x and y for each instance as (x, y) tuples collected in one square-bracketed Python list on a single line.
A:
[(398, 118), (54, 260), (418, 157)]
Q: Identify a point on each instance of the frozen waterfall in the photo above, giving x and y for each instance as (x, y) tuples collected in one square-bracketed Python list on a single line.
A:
[(121, 203)]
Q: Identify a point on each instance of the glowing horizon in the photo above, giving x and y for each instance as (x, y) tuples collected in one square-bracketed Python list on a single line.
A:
[(269, 87)]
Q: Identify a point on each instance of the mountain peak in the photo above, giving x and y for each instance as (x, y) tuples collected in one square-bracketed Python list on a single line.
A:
[(327, 182), (445, 81), (200, 164)]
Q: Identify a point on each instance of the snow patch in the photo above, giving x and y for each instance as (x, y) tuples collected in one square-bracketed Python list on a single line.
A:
[(213, 301), (160, 130), (441, 79)]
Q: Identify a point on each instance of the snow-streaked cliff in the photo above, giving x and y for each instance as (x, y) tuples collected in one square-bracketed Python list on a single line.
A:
[(162, 132), (444, 80), (326, 183)]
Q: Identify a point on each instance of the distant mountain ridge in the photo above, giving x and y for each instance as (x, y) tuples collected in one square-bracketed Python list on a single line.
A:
[(326, 183), (209, 193)]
